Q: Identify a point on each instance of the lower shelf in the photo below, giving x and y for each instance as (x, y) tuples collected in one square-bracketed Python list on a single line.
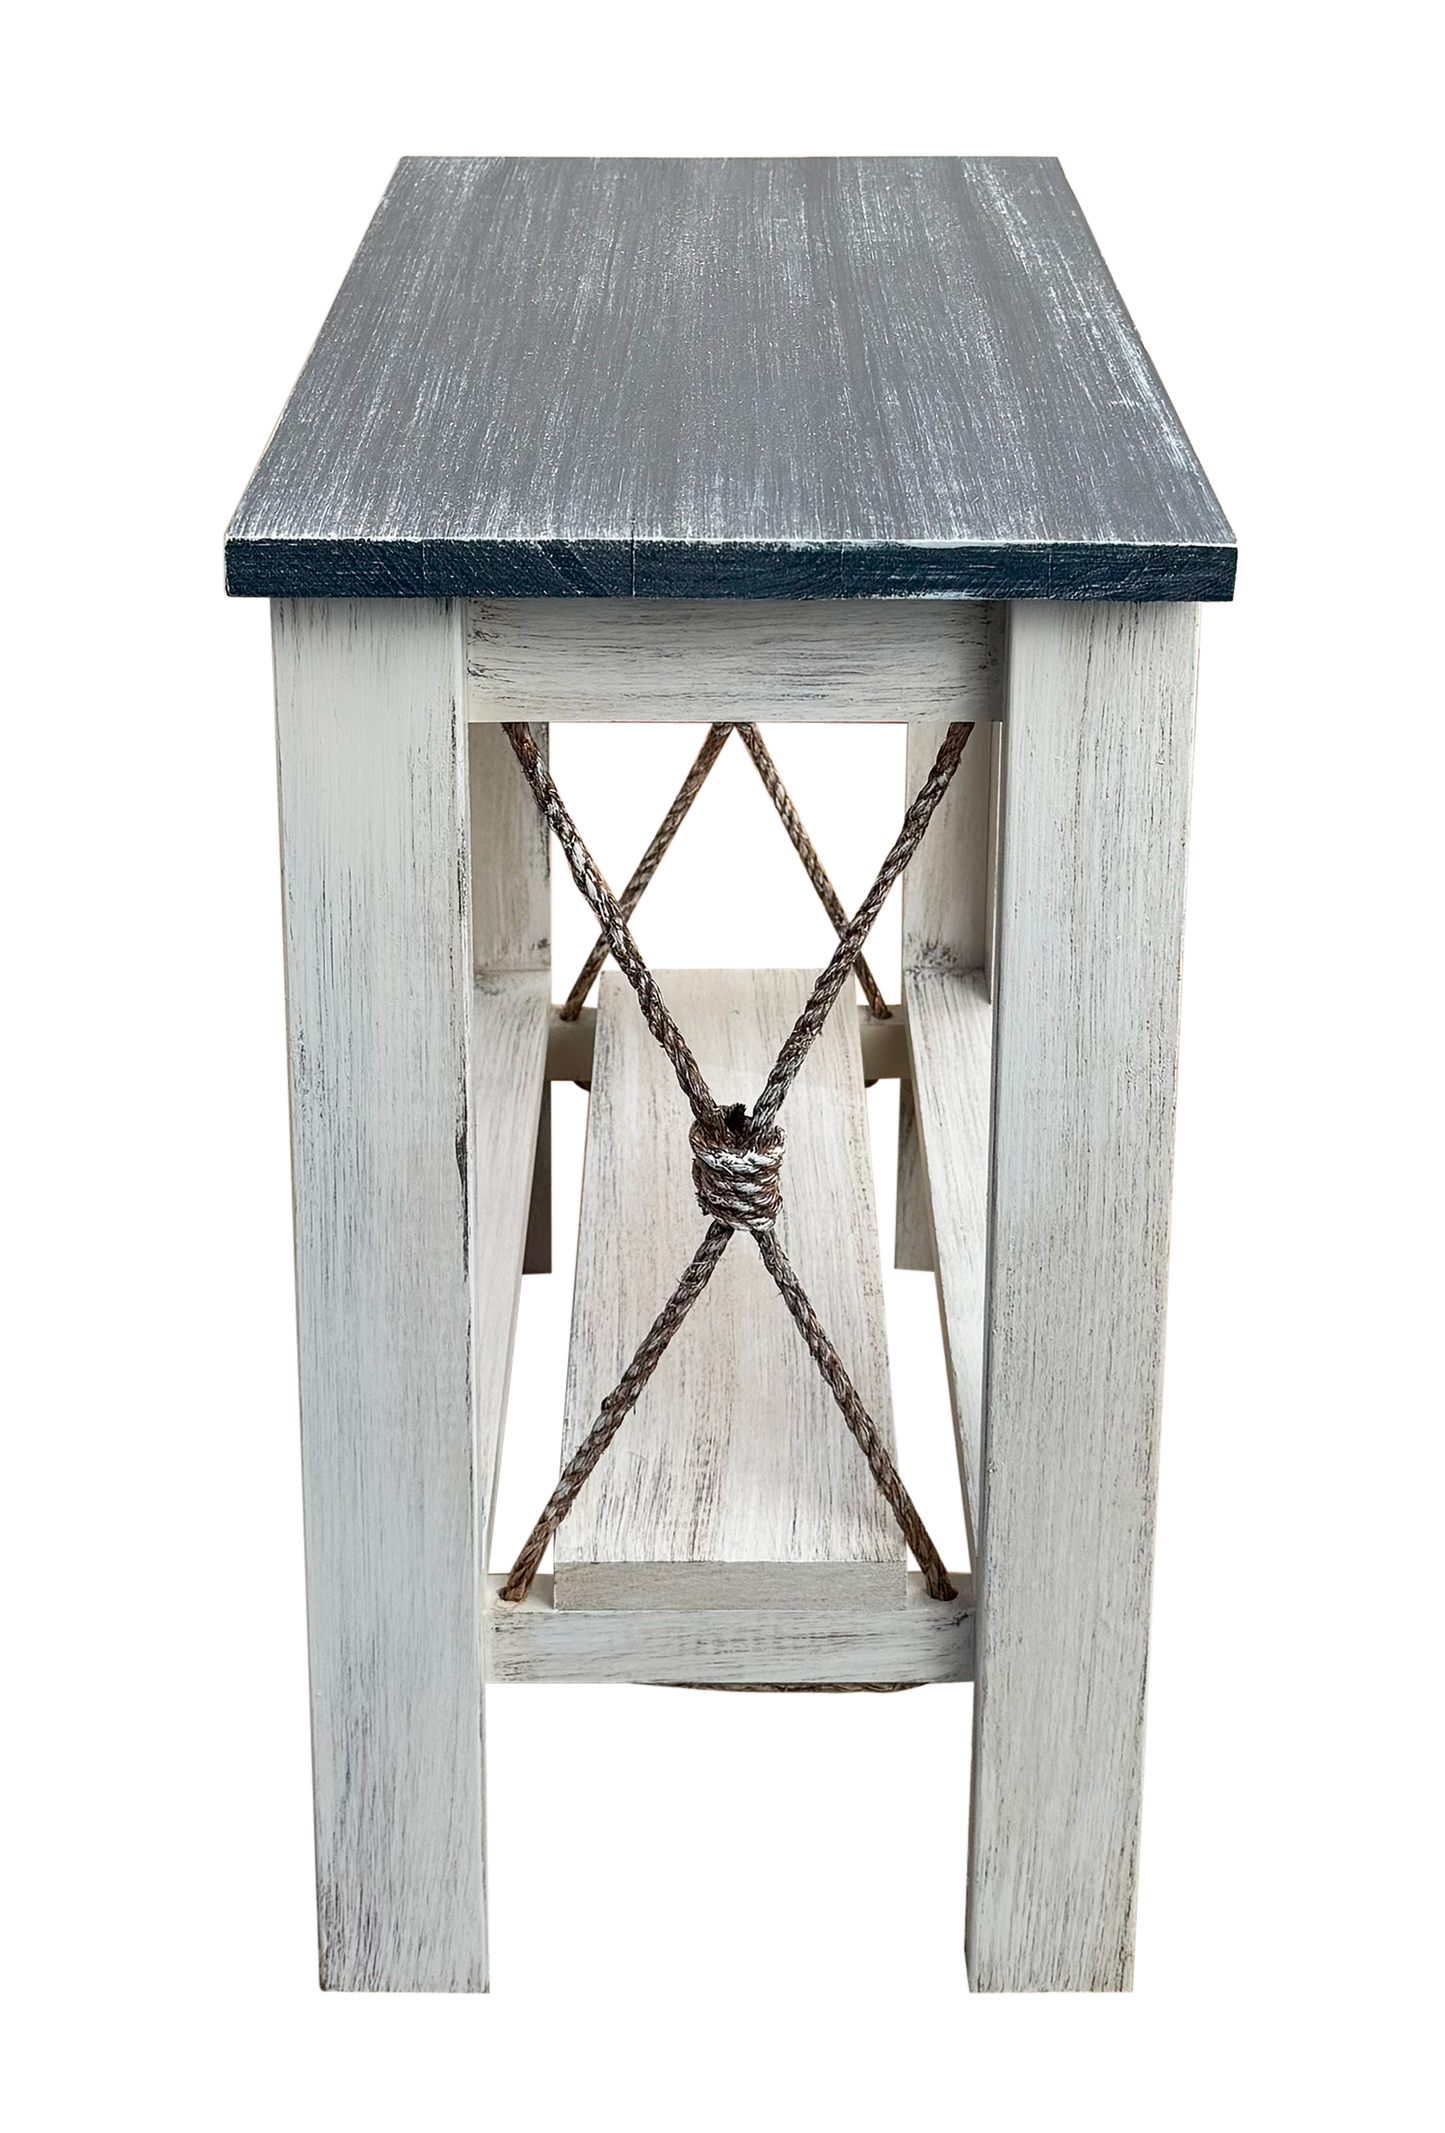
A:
[(735, 1476), (924, 1640)]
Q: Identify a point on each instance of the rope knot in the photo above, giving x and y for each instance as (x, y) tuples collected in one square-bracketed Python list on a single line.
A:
[(735, 1171)]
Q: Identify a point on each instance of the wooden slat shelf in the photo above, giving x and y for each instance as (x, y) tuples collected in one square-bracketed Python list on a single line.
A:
[(509, 1049), (924, 1640), (884, 1045), (735, 1482), (950, 1034)]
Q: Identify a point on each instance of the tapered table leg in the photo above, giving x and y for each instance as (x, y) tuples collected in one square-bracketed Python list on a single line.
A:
[(1091, 903), (373, 765)]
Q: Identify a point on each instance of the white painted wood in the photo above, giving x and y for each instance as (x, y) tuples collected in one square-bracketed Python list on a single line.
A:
[(884, 1045), (512, 915), (537, 1257), (946, 887), (735, 1481), (510, 1014), (924, 1640), (570, 1046), (947, 915), (1091, 904), (372, 752), (912, 1221), (950, 1031), (511, 883), (995, 834), (620, 660)]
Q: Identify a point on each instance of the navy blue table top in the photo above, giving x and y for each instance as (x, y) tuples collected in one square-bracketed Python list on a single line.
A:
[(817, 378)]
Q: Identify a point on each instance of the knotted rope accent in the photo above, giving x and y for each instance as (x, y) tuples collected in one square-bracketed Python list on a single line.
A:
[(735, 1173), (735, 1163)]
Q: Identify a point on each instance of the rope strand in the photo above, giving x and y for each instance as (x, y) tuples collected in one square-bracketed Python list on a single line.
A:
[(647, 865), (617, 1407), (817, 873), (830, 983), (736, 1158), (857, 1417), (625, 952)]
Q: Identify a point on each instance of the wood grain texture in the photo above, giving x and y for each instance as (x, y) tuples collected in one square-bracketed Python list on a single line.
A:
[(995, 850), (510, 1013), (948, 915), (537, 1258), (912, 1222), (512, 914), (924, 1640), (792, 378), (700, 661), (510, 855), (735, 1482), (946, 890), (950, 1035), (1091, 903), (372, 749), (884, 1045)]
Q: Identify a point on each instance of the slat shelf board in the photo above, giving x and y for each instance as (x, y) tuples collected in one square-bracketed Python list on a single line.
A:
[(734, 1483), (924, 1640), (950, 1034), (510, 1013), (885, 1045)]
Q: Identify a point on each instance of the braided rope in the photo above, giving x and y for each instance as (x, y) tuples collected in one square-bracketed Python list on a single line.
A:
[(648, 864), (617, 1406), (625, 952), (817, 873), (736, 1158), (857, 1417), (736, 1176), (831, 982)]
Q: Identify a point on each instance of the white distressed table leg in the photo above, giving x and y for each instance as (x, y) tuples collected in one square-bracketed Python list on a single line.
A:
[(373, 764), (1091, 904)]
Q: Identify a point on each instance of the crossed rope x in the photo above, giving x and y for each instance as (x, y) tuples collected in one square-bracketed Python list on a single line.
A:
[(671, 823), (737, 1154)]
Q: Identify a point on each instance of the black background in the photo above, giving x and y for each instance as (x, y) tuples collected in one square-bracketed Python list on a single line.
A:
[(679, 1848)]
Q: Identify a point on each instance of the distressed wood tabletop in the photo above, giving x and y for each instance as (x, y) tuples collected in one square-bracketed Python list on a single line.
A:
[(785, 378)]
